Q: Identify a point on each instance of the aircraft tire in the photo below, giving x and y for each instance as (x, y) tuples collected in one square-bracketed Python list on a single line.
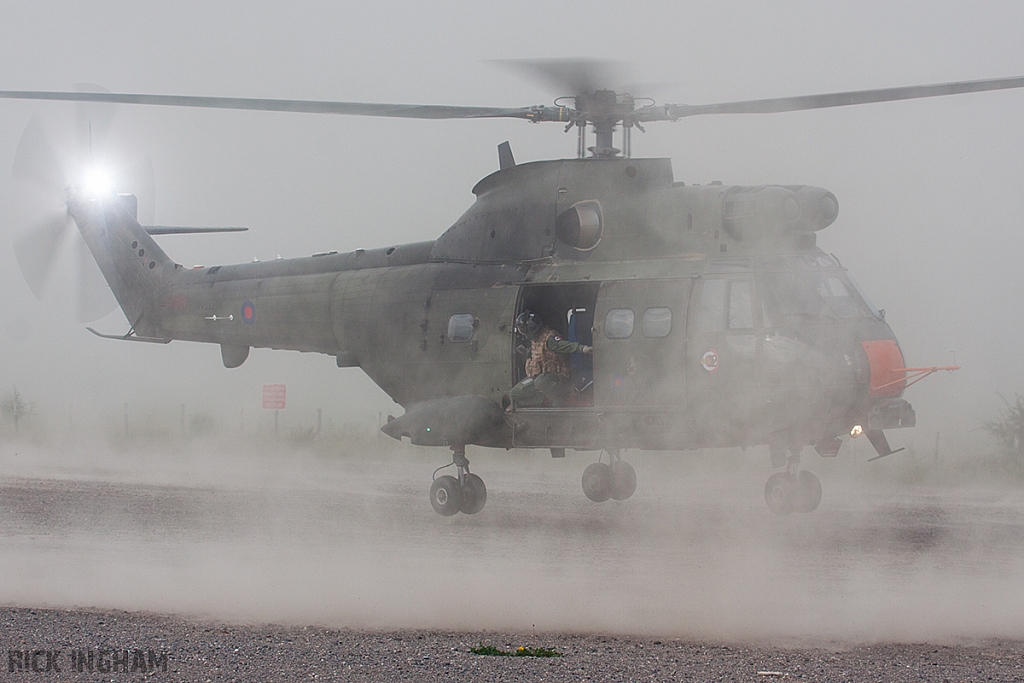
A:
[(446, 495), (623, 480), (598, 481), (474, 495), (808, 492), (779, 493)]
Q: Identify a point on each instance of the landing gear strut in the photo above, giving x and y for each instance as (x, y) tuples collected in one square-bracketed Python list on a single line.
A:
[(464, 493), (794, 490), (616, 479)]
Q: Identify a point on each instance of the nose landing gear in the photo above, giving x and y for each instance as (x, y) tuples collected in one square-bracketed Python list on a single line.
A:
[(793, 490), (602, 481), (465, 493)]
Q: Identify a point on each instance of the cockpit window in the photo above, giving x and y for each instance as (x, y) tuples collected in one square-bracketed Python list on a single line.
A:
[(821, 261), (838, 297), (809, 294), (864, 297)]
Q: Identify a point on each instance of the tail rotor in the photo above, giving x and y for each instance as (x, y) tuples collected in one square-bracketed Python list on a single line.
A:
[(54, 258)]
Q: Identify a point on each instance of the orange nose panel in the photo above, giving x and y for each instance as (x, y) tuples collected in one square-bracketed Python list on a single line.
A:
[(885, 357)]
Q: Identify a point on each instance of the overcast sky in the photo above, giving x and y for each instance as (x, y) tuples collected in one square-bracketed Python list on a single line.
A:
[(931, 218)]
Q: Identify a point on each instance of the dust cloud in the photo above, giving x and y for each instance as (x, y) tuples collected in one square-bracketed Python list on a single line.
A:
[(272, 533), (251, 531)]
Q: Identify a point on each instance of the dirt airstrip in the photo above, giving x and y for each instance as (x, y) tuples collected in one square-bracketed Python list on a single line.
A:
[(292, 564)]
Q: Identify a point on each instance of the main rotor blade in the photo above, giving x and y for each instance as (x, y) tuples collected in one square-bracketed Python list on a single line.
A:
[(826, 100), (401, 111)]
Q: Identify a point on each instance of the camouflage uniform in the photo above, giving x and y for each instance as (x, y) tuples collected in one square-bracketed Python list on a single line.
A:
[(547, 371)]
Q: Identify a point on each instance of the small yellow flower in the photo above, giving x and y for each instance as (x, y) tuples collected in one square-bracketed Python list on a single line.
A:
[(521, 648)]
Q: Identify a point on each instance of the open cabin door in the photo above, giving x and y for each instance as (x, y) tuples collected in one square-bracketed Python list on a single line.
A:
[(639, 344), (568, 309)]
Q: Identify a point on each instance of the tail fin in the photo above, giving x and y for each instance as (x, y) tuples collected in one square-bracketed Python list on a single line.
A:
[(134, 265)]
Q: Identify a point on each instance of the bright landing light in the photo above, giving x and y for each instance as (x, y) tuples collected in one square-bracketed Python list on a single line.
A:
[(856, 431), (97, 182)]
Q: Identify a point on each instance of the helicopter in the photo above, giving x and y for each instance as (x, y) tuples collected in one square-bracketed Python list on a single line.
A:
[(713, 318)]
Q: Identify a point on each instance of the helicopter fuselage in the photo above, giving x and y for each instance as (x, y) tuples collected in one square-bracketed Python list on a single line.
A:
[(715, 318), (704, 316)]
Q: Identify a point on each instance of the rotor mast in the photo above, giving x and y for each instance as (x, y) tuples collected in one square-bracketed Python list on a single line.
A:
[(604, 110)]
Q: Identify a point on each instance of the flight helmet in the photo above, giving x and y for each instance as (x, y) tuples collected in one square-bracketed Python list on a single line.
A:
[(528, 324)]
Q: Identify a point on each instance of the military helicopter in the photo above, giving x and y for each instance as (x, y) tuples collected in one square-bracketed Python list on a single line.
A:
[(713, 317)]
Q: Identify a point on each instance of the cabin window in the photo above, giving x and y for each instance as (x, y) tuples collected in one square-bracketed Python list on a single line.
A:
[(741, 312), (461, 327), (657, 322), (618, 324)]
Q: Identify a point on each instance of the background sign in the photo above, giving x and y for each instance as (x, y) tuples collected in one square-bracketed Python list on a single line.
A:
[(273, 396)]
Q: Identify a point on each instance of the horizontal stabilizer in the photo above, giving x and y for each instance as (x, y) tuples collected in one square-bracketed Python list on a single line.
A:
[(130, 336), (178, 230)]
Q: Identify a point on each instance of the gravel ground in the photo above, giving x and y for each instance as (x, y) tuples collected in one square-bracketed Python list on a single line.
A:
[(207, 651), (293, 566)]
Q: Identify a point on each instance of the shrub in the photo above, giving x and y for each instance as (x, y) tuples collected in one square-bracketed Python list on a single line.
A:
[(1008, 430)]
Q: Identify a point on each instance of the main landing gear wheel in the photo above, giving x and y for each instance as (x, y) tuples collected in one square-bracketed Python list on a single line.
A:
[(778, 493), (446, 495), (614, 480), (465, 493), (794, 490), (598, 480), (809, 491), (623, 480), (474, 495)]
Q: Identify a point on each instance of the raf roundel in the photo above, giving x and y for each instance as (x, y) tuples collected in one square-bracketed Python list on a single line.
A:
[(249, 313), (710, 361)]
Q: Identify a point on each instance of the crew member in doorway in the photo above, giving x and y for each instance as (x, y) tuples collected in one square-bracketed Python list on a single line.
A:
[(547, 368)]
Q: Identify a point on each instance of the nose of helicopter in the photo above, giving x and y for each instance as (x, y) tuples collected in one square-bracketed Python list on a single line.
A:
[(884, 409), (885, 360)]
